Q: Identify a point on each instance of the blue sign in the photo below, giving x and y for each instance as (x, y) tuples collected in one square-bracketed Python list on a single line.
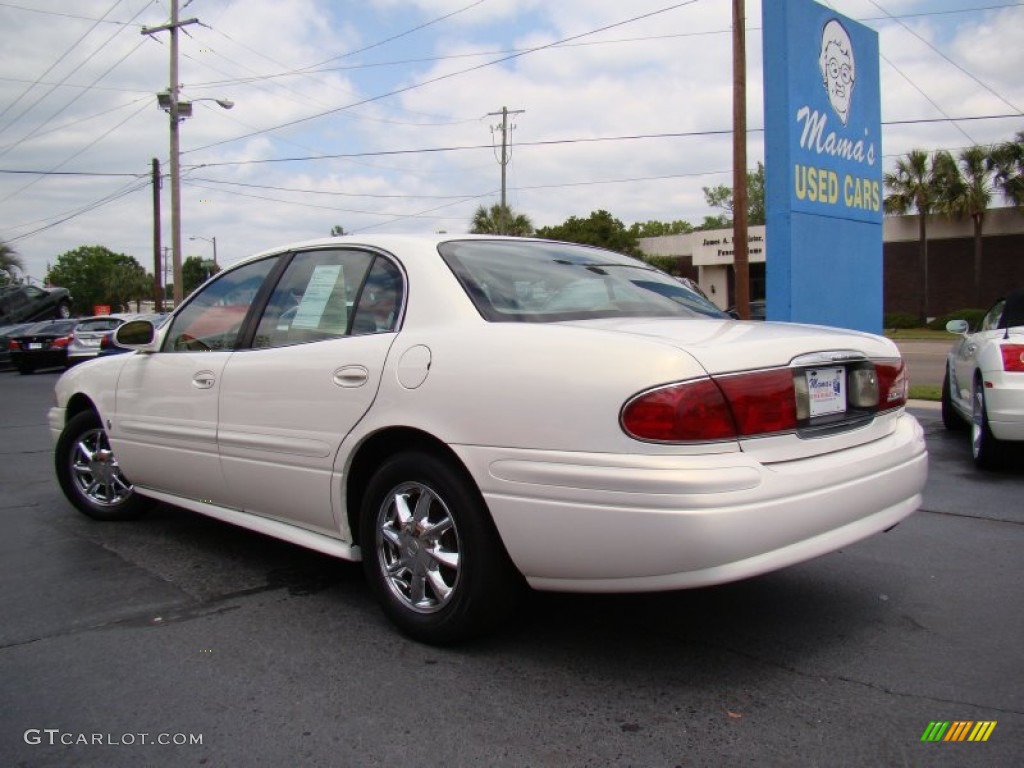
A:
[(823, 166)]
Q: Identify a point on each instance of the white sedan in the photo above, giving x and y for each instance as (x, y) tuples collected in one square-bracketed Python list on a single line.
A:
[(984, 381), (469, 415)]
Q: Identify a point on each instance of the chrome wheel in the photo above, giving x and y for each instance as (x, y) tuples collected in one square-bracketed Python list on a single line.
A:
[(90, 475), (430, 550), (418, 547), (95, 471)]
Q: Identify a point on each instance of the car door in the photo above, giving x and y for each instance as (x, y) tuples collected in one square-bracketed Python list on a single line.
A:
[(165, 422), (965, 361), (312, 371)]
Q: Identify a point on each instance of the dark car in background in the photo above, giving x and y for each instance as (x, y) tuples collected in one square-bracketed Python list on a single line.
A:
[(26, 303), (6, 332), (757, 310), (42, 345)]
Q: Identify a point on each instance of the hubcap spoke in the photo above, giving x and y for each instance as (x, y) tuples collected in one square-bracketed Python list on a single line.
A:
[(96, 473)]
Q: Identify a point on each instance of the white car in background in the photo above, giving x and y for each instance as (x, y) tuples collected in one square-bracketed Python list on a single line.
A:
[(469, 414), (984, 381)]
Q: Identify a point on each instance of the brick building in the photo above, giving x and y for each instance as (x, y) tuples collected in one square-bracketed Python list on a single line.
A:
[(950, 261)]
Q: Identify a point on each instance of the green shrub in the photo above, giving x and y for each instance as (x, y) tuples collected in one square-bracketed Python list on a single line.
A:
[(668, 264), (972, 316), (899, 320)]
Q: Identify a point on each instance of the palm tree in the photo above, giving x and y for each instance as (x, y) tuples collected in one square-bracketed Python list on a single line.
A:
[(10, 262), (501, 220), (912, 187), (965, 189), (1008, 159)]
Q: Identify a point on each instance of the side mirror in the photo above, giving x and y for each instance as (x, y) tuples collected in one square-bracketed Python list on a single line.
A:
[(136, 334), (958, 326)]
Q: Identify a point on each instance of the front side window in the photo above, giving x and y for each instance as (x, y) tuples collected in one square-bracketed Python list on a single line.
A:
[(539, 281), (213, 318), (991, 321)]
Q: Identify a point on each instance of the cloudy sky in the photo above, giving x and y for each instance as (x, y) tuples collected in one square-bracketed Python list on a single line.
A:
[(381, 115)]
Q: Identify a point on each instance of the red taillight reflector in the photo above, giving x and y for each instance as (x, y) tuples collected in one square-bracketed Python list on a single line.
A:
[(892, 384), (1013, 357), (60, 343), (12, 344), (692, 410), (761, 402)]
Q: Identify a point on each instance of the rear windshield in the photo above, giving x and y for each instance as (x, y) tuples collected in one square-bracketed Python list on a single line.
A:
[(543, 282), (100, 324), (56, 327)]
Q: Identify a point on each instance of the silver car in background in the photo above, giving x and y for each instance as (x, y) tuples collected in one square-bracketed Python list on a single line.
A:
[(85, 341)]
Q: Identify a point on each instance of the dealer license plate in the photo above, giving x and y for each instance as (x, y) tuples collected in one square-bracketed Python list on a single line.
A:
[(827, 390)]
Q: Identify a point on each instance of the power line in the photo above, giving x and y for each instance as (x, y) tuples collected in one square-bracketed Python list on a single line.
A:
[(947, 58), (440, 78), (489, 147), (48, 71), (103, 19), (46, 122)]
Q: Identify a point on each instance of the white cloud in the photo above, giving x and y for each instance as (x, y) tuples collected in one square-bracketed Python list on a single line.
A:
[(666, 74)]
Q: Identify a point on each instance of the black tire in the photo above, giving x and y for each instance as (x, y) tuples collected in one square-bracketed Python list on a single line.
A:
[(450, 578), (63, 311), (89, 475), (26, 369), (986, 449), (951, 419)]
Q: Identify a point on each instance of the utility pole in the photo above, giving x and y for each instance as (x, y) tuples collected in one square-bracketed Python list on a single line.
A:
[(505, 157), (158, 288), (176, 118), (741, 262)]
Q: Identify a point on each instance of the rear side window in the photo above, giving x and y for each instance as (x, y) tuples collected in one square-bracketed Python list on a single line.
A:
[(315, 298)]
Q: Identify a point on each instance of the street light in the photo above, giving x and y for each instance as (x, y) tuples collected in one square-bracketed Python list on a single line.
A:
[(212, 240), (178, 111)]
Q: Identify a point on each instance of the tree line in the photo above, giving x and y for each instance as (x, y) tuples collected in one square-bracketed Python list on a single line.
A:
[(602, 229), (97, 276)]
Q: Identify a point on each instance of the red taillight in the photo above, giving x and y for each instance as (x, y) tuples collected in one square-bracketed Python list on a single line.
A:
[(12, 345), (892, 384), (1013, 357), (60, 343), (692, 410), (107, 341), (761, 402), (720, 409)]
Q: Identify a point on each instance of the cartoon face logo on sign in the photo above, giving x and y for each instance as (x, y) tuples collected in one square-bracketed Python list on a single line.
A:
[(838, 68)]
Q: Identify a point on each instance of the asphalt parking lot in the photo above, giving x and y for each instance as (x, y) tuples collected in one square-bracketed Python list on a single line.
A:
[(179, 629)]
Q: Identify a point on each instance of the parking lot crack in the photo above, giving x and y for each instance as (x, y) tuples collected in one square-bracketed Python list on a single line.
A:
[(987, 518), (887, 690)]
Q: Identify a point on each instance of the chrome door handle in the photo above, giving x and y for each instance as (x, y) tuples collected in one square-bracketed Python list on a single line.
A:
[(351, 376), (203, 380)]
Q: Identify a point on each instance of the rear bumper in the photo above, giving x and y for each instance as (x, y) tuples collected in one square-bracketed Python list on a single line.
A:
[(1004, 402), (607, 523)]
